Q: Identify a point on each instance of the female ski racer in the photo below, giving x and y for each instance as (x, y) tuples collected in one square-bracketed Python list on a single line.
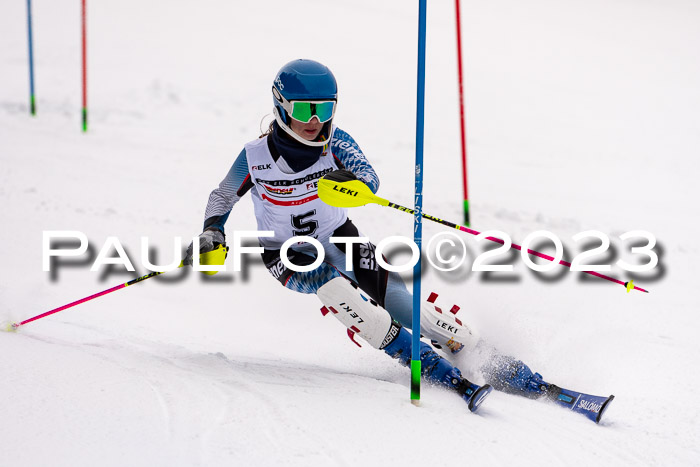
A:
[(281, 170)]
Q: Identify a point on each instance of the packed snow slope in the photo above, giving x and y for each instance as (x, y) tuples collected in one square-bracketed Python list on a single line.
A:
[(580, 116)]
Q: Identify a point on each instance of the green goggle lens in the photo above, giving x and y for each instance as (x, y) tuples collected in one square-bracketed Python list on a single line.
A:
[(305, 111)]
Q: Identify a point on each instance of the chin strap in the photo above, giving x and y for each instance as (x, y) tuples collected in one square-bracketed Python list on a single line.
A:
[(291, 133)]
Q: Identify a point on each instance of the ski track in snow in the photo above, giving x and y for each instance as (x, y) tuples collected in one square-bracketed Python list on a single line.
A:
[(203, 399), (235, 392)]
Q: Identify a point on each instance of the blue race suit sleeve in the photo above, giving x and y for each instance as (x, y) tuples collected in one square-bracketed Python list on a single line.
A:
[(348, 152), (222, 199)]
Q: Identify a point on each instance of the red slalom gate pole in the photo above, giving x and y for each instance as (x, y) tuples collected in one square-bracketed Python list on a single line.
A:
[(463, 124), (84, 39), (32, 97)]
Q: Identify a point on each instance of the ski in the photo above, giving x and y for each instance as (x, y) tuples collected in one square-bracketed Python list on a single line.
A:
[(478, 396), (472, 393), (592, 407)]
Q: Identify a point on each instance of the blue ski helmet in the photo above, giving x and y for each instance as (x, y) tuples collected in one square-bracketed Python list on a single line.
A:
[(305, 81)]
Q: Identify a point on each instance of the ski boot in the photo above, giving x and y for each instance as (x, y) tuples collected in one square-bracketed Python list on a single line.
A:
[(512, 376), (438, 370)]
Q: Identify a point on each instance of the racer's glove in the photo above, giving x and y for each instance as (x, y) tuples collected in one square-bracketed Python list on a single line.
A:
[(341, 175), (208, 241)]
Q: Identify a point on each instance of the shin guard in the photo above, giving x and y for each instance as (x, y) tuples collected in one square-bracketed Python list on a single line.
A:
[(359, 313)]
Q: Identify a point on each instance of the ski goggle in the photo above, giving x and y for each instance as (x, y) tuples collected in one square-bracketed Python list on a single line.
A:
[(304, 111)]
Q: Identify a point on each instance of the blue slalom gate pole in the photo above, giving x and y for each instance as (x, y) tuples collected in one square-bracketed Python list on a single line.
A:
[(32, 99), (417, 218)]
